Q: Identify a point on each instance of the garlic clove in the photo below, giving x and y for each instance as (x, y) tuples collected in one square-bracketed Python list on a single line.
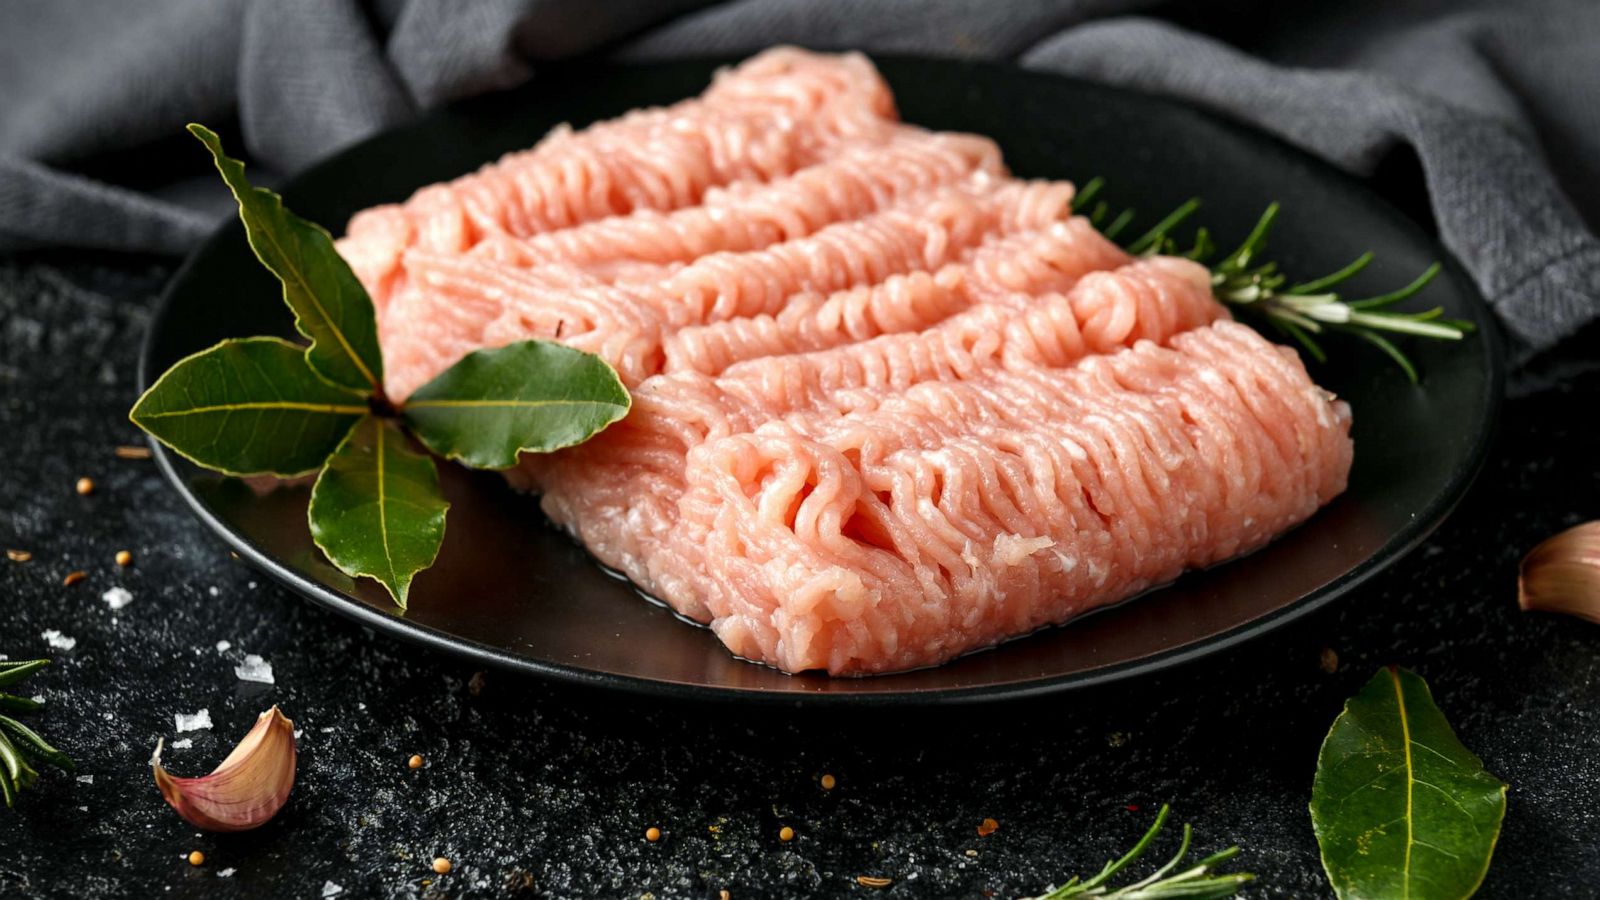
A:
[(250, 786), (1562, 575)]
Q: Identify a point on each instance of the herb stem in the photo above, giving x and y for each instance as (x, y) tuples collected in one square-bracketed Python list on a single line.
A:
[(16, 772), (1299, 310)]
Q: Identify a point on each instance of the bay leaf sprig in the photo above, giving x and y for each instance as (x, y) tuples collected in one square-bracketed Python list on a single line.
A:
[(266, 406), (1303, 311), (1400, 808), (21, 746)]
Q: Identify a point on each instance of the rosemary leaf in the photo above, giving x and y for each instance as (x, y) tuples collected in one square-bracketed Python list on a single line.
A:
[(1165, 883), (1300, 310), (16, 772), (1328, 281)]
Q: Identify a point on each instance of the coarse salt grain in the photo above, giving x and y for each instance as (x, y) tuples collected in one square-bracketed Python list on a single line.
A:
[(196, 722), (86, 779), (255, 669), (224, 646), (329, 889), (184, 744), (117, 597), (58, 640), (226, 873), (213, 591)]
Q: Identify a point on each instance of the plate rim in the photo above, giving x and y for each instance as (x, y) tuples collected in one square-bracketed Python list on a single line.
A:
[(1397, 548)]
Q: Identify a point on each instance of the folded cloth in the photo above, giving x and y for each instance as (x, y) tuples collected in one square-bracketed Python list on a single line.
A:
[(1499, 102)]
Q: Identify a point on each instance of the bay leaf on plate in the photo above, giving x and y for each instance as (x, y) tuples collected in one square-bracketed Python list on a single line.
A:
[(330, 305), (250, 406), (1400, 808), (376, 509), (533, 396)]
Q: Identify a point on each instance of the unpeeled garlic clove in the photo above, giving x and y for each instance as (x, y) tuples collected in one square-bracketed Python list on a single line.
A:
[(250, 786), (1563, 574)]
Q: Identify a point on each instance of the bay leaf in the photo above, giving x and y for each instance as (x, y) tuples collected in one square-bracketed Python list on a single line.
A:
[(376, 509), (1400, 808), (533, 396), (330, 305), (250, 406)]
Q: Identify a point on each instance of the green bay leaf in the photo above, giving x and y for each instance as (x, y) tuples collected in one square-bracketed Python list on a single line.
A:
[(1400, 808), (376, 509), (533, 396), (248, 407), (330, 305)]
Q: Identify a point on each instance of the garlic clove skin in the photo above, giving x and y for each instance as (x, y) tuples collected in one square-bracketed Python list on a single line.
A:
[(1562, 575), (247, 789)]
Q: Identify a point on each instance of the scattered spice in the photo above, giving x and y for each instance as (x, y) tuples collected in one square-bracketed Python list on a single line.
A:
[(85, 486), (18, 555), (74, 577), (131, 452), (723, 894), (972, 853), (254, 669), (987, 827), (828, 782), (652, 834), (200, 721), (124, 558), (873, 881), (197, 858), (415, 762), (475, 683), (441, 865), (1328, 661), (1131, 807), (786, 834)]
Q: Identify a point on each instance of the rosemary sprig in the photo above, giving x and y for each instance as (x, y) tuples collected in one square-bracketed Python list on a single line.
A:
[(1197, 880), (1301, 311), (19, 744)]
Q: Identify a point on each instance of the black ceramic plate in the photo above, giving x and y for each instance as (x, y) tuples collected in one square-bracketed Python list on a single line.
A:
[(510, 591)]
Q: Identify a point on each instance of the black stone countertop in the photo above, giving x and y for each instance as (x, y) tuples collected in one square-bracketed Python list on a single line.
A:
[(544, 791)]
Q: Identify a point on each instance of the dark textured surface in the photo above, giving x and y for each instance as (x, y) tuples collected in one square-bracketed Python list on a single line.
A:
[(548, 792)]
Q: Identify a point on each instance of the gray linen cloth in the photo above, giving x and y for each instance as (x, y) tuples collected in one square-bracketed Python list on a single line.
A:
[(1499, 101)]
